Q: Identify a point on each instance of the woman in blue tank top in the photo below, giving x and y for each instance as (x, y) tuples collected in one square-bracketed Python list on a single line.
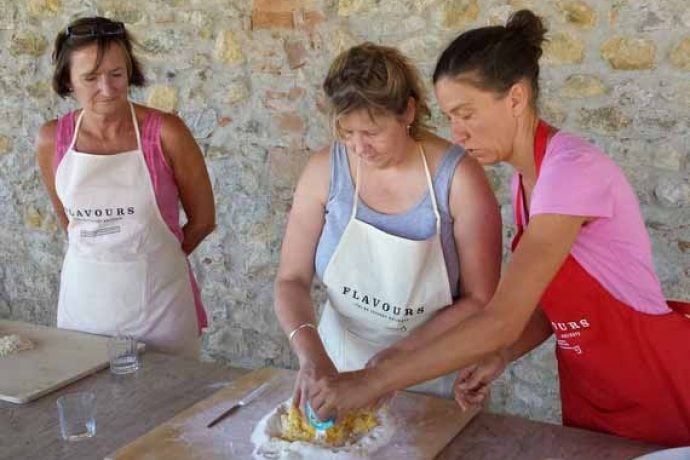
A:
[(400, 226)]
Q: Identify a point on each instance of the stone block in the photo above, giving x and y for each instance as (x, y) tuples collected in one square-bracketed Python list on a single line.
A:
[(580, 86), (339, 40), (680, 54), (159, 42), (420, 6), (553, 113), (28, 43), (237, 92), (44, 7), (457, 14), (578, 13), (629, 53), (673, 192), (163, 97), (39, 90), (563, 48), (285, 14), (296, 53), (524, 4), (203, 21), (604, 120), (228, 49), (283, 100), (33, 218), (422, 49), (5, 144), (291, 122), (126, 11), (498, 15), (350, 7), (681, 93), (285, 168), (684, 246), (667, 157)]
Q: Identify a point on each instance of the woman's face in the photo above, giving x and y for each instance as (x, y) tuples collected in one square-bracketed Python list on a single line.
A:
[(102, 90), (482, 122), (378, 139)]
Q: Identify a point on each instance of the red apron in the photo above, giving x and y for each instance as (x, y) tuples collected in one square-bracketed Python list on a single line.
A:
[(621, 371)]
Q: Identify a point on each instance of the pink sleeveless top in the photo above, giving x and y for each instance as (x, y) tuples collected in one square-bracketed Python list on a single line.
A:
[(162, 178)]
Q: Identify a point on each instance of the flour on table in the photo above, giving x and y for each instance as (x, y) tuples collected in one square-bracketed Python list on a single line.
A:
[(13, 343), (268, 444)]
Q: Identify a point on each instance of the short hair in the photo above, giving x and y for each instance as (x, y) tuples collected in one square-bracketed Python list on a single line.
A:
[(67, 41), (497, 57), (378, 79)]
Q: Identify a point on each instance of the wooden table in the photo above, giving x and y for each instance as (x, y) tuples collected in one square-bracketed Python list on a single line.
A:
[(507, 437), (129, 406)]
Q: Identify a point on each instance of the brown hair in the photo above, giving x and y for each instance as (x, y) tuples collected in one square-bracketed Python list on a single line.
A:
[(66, 43), (497, 57), (378, 79)]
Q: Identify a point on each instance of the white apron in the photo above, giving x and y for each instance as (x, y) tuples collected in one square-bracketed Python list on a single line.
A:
[(379, 288), (124, 271)]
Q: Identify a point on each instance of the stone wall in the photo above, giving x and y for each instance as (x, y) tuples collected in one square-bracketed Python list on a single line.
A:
[(246, 78)]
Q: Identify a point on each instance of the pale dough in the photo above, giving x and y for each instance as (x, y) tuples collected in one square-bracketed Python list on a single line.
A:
[(13, 343), (269, 446)]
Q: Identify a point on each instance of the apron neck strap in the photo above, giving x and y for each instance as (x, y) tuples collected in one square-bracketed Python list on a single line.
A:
[(430, 186), (429, 182), (541, 137), (355, 198), (77, 125), (136, 126)]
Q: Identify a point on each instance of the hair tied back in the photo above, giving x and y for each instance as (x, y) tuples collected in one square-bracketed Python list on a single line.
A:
[(529, 27)]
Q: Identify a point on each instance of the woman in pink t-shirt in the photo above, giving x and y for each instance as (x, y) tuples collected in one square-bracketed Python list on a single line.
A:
[(581, 266)]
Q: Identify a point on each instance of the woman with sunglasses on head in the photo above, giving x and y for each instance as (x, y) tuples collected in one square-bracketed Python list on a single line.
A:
[(400, 226), (116, 173), (581, 266)]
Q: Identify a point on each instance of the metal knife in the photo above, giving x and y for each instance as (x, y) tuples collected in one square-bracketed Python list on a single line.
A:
[(255, 393)]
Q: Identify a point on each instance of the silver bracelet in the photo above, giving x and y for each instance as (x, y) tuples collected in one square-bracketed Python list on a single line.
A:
[(291, 335)]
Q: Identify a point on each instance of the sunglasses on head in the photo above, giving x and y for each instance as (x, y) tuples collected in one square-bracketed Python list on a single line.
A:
[(100, 29)]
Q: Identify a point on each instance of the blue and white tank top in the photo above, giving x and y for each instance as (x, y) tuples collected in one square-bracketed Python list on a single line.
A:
[(416, 223)]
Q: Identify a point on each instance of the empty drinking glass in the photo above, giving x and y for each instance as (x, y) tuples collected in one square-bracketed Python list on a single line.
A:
[(76, 412)]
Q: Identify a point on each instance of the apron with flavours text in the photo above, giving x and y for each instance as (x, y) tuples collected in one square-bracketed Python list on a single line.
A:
[(124, 271), (380, 287), (621, 371)]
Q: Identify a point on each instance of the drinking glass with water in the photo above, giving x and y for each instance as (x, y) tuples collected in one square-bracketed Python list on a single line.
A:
[(123, 354)]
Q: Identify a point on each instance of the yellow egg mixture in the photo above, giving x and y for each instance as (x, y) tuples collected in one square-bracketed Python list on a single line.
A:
[(355, 424)]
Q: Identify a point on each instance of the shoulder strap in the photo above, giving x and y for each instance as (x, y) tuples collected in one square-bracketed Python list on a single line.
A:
[(64, 131)]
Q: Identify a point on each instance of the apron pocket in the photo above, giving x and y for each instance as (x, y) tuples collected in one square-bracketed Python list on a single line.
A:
[(102, 297)]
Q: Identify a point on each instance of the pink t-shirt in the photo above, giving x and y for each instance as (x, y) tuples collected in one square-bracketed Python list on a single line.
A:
[(578, 179)]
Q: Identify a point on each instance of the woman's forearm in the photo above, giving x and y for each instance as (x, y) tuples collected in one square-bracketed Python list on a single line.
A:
[(542, 250), (471, 340), (194, 234), (444, 320), (535, 333), (294, 307)]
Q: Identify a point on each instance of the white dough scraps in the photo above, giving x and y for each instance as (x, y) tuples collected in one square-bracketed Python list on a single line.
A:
[(13, 343)]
